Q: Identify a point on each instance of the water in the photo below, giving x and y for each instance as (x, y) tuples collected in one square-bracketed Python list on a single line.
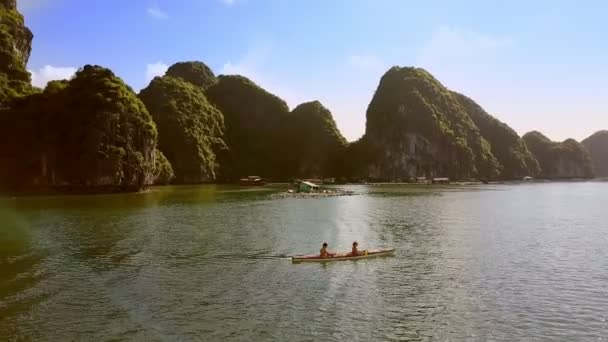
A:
[(476, 263)]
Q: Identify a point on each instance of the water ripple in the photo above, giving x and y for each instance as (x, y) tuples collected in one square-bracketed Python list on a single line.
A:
[(207, 263)]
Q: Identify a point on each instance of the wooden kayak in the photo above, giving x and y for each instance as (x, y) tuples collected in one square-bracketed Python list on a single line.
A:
[(344, 256)]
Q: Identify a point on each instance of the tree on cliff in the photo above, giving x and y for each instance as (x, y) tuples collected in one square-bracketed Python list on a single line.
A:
[(506, 145), (190, 128), (568, 159)]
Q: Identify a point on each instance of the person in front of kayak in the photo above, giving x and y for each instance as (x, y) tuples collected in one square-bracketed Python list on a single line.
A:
[(324, 253)]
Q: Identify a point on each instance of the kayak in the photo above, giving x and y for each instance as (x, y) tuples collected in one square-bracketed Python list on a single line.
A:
[(344, 256)]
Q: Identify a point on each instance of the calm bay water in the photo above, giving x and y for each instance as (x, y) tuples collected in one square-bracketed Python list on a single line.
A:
[(500, 262)]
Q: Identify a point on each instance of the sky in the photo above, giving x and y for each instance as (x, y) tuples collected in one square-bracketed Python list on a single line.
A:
[(535, 65)]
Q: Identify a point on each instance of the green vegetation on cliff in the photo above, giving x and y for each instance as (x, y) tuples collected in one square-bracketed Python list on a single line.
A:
[(163, 172), (91, 132), (316, 142), (189, 127), (597, 144), (15, 48), (506, 145), (12, 89), (568, 159), (255, 128), (197, 73), (417, 128), (354, 163)]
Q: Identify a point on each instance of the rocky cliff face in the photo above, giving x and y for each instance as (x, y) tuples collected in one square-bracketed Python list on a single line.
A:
[(190, 128), (506, 145), (316, 143), (416, 127), (15, 48), (88, 134), (597, 144), (568, 159)]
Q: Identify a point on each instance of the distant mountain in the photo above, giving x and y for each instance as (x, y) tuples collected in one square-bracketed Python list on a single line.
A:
[(256, 129), (510, 150), (416, 127), (190, 128), (597, 144), (568, 159), (316, 143)]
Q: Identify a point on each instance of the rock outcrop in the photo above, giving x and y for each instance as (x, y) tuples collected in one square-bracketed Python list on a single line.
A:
[(163, 171), (89, 134), (15, 48), (416, 127), (316, 143), (190, 128), (568, 159), (197, 73), (256, 134), (597, 144), (506, 145)]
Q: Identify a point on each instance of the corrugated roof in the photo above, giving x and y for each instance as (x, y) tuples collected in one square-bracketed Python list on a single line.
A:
[(313, 185)]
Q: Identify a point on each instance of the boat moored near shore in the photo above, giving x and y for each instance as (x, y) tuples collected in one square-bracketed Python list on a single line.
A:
[(252, 181)]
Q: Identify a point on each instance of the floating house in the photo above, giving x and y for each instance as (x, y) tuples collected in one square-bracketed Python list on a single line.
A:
[(306, 187), (441, 180)]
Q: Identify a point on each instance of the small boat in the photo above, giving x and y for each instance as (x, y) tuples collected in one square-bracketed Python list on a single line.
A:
[(252, 181), (344, 256)]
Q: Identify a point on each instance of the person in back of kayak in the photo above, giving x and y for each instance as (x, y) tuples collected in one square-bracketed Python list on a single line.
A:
[(323, 253), (354, 251)]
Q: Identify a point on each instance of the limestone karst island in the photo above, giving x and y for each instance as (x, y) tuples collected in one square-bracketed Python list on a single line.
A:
[(94, 133)]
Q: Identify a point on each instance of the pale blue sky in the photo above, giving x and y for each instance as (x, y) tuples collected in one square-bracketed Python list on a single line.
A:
[(536, 65)]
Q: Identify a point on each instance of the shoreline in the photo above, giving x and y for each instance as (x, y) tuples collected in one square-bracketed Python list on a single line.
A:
[(82, 191)]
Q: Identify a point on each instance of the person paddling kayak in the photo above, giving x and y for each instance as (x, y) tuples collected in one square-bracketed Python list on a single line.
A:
[(354, 251), (323, 253)]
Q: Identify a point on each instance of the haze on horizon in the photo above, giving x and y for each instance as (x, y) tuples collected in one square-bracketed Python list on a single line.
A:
[(539, 66)]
